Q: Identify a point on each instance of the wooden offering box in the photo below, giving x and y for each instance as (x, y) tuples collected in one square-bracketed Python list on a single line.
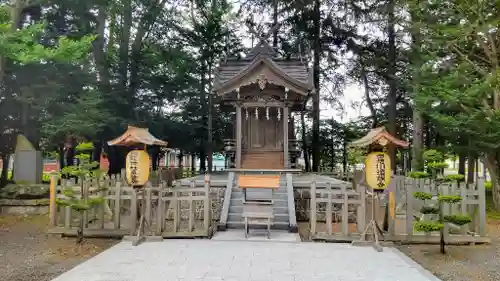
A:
[(260, 181)]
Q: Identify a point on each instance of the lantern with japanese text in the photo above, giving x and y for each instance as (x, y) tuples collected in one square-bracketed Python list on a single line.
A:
[(378, 170), (137, 167)]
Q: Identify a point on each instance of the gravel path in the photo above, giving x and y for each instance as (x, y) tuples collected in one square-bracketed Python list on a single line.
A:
[(461, 263), (27, 253)]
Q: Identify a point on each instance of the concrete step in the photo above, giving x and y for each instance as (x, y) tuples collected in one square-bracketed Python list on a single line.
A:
[(236, 217), (277, 210), (276, 225), (263, 192), (278, 202)]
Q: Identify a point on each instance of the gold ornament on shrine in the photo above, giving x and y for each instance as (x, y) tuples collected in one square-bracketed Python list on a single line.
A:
[(137, 167)]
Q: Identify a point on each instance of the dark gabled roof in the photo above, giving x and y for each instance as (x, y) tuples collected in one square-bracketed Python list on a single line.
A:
[(262, 48), (292, 69)]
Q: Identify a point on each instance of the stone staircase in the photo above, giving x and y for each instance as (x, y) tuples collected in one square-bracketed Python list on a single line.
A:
[(252, 159), (280, 206)]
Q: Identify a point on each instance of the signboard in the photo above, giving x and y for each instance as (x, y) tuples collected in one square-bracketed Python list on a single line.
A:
[(137, 167), (378, 170)]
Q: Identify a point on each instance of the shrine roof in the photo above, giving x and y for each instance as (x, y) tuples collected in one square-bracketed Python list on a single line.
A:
[(378, 135), (135, 136), (293, 69)]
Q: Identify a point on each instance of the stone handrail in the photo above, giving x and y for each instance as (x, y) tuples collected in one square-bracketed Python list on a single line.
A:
[(291, 204), (226, 203)]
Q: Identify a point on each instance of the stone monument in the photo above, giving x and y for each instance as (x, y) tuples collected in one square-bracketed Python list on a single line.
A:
[(28, 162)]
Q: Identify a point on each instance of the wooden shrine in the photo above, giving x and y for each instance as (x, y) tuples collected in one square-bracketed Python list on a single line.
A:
[(263, 88)]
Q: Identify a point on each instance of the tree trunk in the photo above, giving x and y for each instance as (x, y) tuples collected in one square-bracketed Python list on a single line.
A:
[(97, 151), (492, 163), (275, 23), (417, 163), (193, 162), (5, 170), (391, 73), (79, 231), (461, 163), (305, 146), (369, 101), (203, 112), (316, 97), (209, 124), (471, 165), (155, 153)]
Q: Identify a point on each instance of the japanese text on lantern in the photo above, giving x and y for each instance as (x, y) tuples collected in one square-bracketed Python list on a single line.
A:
[(133, 168), (380, 170), (137, 167)]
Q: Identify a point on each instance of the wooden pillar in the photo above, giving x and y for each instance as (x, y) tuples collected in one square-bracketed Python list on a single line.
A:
[(238, 137), (285, 137)]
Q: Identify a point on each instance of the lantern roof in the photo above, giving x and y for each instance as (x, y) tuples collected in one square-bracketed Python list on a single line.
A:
[(378, 136), (135, 136)]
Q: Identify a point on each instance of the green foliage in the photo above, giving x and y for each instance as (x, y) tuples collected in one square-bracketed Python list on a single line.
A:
[(429, 210), (418, 175), (422, 195), (356, 155), (437, 165), (449, 198), (432, 155), (84, 146), (453, 178), (20, 46), (424, 226), (458, 219), (488, 185)]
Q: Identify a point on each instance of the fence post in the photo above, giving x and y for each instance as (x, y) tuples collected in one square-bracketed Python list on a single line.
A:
[(147, 200), (409, 210), (313, 207), (134, 209), (85, 196), (482, 207), (328, 221), (103, 194), (159, 212), (463, 203), (207, 206), (345, 211), (176, 210), (361, 211), (52, 202), (118, 192), (191, 209)]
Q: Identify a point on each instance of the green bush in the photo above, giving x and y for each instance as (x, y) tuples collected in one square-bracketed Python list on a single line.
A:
[(84, 146), (422, 195), (452, 178), (432, 155), (429, 210), (449, 198), (458, 219), (488, 185), (437, 165), (424, 226), (418, 175)]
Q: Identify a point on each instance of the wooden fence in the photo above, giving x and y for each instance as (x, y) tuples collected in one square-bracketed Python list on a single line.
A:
[(341, 213), (176, 211)]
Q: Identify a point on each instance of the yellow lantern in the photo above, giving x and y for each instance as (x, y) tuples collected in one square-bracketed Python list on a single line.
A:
[(378, 170), (137, 167)]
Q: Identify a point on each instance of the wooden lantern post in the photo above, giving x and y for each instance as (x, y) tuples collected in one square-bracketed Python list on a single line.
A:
[(137, 173), (378, 174)]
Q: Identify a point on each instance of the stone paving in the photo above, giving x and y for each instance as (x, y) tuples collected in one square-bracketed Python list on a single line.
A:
[(209, 260)]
